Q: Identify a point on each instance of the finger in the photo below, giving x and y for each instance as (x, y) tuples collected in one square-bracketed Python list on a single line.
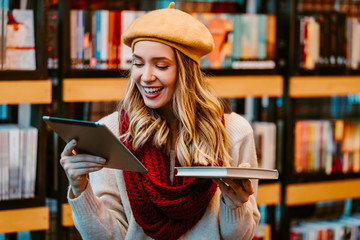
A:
[(69, 147), (247, 186), (87, 158), (81, 161), (228, 194), (245, 165), (225, 188), (79, 165), (242, 190), (233, 183), (75, 174)]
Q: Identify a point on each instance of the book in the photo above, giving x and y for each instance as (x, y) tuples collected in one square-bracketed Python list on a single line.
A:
[(20, 41), (227, 172), (265, 143)]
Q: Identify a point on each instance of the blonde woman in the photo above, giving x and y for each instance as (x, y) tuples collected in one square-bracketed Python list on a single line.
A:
[(169, 117)]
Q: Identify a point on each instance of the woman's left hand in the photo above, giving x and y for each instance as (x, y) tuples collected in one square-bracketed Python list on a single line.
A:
[(235, 192)]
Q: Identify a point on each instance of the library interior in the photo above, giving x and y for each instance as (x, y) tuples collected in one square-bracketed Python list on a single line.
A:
[(291, 68)]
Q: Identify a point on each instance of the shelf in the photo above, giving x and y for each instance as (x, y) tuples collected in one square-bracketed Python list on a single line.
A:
[(25, 219), (113, 89), (25, 91), (243, 86), (67, 220), (323, 86), (309, 193), (269, 194), (93, 89)]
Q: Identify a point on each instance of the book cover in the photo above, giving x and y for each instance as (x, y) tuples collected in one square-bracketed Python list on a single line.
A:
[(227, 172), (236, 48), (53, 39), (270, 36), (20, 41), (220, 27), (249, 36), (261, 43), (265, 143), (14, 161)]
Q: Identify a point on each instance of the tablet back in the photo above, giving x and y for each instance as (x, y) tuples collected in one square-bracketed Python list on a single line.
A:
[(96, 139)]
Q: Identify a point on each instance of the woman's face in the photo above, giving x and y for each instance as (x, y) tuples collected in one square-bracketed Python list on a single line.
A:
[(154, 71)]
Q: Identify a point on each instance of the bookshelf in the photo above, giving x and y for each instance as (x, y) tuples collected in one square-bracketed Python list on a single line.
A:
[(309, 193), (310, 83), (113, 89), (323, 86), (28, 87), (25, 91), (26, 219)]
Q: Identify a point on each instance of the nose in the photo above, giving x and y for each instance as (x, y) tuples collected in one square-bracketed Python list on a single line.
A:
[(147, 75)]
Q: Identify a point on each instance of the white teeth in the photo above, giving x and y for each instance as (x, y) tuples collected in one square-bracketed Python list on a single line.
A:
[(152, 90)]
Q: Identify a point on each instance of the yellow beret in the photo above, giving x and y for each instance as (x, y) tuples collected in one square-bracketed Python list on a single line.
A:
[(174, 28)]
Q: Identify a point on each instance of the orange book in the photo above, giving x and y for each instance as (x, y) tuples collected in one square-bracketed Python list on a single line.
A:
[(270, 36), (111, 55), (297, 147)]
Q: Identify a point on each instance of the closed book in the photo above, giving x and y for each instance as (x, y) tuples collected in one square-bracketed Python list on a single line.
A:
[(227, 172)]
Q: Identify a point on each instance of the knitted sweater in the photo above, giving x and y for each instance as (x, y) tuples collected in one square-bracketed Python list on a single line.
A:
[(103, 210)]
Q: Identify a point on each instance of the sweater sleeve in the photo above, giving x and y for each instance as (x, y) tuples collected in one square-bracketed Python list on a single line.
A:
[(98, 212), (241, 222)]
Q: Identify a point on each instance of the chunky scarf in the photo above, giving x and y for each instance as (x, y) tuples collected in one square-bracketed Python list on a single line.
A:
[(164, 212)]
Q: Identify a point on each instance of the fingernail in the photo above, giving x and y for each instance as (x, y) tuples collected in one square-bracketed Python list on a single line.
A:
[(101, 160)]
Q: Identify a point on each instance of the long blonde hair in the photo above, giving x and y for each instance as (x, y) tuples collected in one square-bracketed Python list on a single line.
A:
[(202, 138)]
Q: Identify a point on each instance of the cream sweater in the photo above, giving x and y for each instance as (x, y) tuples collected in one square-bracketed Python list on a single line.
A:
[(103, 210)]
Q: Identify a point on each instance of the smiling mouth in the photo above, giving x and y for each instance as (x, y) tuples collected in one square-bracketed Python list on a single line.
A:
[(152, 90)]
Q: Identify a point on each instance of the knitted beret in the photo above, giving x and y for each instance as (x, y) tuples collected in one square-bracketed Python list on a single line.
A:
[(174, 28)]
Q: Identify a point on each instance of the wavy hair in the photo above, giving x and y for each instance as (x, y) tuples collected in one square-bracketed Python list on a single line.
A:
[(201, 138)]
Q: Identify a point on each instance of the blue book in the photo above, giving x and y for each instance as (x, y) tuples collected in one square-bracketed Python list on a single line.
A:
[(236, 49), (261, 43)]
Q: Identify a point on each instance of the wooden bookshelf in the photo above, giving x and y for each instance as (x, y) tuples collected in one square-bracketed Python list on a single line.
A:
[(67, 220), (243, 86), (25, 91), (24, 219), (323, 86), (113, 89), (93, 89), (269, 194), (309, 193)]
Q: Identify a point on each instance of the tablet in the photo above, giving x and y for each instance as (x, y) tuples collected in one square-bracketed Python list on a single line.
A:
[(96, 139)]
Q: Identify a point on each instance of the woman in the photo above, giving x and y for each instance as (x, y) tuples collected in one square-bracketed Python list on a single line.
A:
[(169, 117)]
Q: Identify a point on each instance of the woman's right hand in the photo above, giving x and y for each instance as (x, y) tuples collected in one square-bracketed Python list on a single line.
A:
[(78, 166)]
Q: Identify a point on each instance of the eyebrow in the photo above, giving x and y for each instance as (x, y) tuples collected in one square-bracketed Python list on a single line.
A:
[(155, 58)]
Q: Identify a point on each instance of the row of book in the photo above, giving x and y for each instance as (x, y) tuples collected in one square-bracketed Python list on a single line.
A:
[(329, 40), (265, 143), (229, 6), (241, 40), (339, 229), (18, 160), (328, 146), (17, 38), (350, 7)]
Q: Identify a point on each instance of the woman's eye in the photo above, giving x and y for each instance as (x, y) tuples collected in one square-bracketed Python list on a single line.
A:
[(162, 67), (138, 64)]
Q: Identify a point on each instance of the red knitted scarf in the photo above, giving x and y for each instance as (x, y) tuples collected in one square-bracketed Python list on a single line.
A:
[(164, 212)]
